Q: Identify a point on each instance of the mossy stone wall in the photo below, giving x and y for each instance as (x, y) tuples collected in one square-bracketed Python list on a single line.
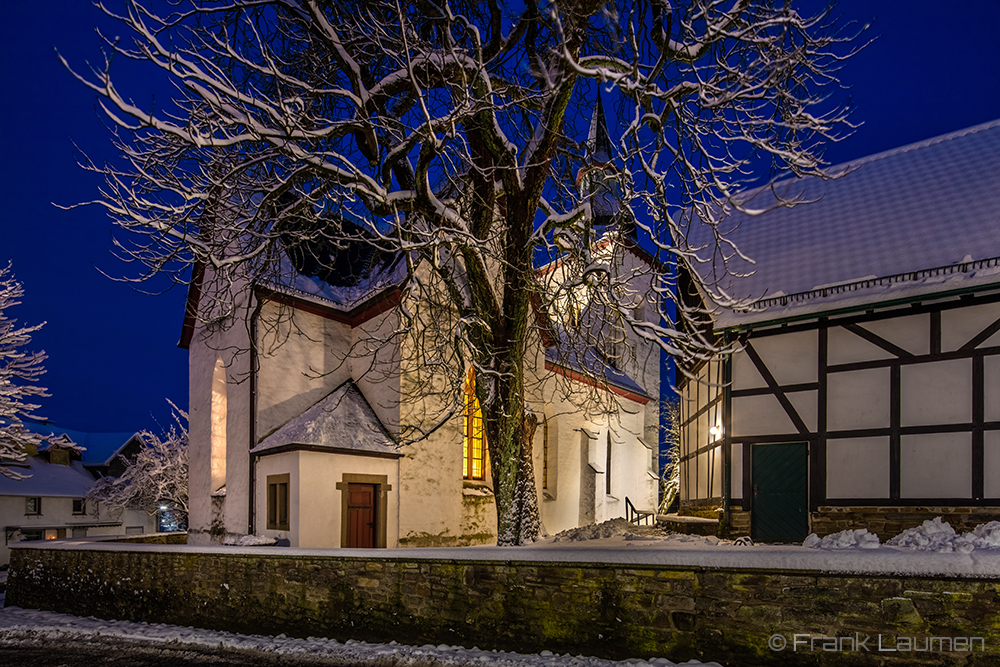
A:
[(614, 611)]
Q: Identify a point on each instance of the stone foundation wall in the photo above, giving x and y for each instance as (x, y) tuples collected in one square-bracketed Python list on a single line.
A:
[(887, 522), (615, 611)]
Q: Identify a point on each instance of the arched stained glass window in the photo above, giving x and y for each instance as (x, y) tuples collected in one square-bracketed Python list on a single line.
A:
[(474, 450)]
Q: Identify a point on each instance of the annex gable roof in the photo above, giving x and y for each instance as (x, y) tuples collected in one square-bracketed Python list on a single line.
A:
[(47, 479), (341, 422), (914, 221)]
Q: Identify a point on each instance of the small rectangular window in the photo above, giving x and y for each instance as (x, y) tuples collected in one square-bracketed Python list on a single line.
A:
[(277, 502), (32, 505), (31, 535), (79, 532), (79, 506)]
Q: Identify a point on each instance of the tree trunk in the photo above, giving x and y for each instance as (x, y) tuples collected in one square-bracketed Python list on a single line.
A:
[(525, 492)]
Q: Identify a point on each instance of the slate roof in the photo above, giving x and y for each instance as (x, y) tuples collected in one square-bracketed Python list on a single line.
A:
[(342, 420), (99, 448), (918, 220), (48, 479)]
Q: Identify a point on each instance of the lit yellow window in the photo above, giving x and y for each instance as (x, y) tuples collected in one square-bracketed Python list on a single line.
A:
[(474, 451)]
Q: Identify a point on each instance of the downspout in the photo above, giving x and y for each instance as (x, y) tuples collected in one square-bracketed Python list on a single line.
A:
[(252, 430), (727, 454)]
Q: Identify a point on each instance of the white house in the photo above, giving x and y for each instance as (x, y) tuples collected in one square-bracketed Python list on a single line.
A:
[(297, 436), (862, 386), (49, 503)]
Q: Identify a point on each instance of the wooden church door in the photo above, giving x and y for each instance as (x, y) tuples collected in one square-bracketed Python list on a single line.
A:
[(361, 516)]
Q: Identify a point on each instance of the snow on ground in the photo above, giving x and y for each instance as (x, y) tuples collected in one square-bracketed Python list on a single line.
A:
[(18, 623)]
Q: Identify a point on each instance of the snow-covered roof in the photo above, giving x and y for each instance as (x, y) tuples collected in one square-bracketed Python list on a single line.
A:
[(343, 420), (914, 221), (48, 479), (340, 297), (589, 365), (99, 448)]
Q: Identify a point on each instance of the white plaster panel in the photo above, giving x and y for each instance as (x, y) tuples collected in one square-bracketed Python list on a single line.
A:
[(936, 465), (791, 358), (846, 347), (857, 468), (858, 399), (804, 403), (759, 415), (716, 472), (912, 332), (745, 374), (960, 325), (991, 380), (936, 393), (991, 464), (736, 471), (703, 468)]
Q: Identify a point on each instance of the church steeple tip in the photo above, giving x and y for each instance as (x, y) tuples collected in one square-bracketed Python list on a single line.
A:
[(599, 141)]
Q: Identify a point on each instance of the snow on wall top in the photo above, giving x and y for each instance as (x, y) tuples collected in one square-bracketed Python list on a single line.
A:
[(343, 419), (928, 205), (99, 448), (48, 479)]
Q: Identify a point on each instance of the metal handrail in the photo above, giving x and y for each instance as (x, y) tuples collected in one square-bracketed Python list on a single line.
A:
[(633, 515)]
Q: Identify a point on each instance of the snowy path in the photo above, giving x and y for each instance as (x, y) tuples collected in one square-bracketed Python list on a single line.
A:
[(17, 624)]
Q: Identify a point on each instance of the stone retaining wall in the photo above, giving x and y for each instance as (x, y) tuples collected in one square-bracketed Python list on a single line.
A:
[(614, 611)]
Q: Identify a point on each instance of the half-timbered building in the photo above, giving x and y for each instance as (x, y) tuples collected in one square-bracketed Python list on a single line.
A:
[(861, 383)]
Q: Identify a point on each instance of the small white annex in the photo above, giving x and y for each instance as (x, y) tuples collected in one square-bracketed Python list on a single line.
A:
[(295, 417), (49, 502), (862, 389)]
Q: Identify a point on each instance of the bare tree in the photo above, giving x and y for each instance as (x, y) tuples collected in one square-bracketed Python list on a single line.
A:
[(19, 371), (156, 481), (454, 136)]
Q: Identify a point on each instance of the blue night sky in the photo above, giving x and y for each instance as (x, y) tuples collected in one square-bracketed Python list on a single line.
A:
[(113, 355)]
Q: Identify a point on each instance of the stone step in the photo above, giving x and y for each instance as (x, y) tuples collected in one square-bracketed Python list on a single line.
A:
[(688, 525)]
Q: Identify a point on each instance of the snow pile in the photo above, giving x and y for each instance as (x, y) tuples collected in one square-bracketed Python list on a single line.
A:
[(938, 535), (617, 527), (859, 538), (933, 535), (249, 541)]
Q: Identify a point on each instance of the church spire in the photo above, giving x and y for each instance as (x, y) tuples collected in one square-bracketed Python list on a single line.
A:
[(599, 142)]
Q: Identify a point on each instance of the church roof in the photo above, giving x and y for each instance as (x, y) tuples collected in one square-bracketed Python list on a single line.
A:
[(341, 422), (903, 224)]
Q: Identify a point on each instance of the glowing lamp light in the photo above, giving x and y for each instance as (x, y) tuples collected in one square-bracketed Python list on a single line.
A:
[(715, 430), (163, 508)]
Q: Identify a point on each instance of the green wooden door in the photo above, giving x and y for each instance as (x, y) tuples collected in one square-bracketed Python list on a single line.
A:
[(780, 492)]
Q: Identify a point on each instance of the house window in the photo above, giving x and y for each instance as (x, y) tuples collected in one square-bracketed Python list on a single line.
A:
[(32, 535), (79, 532), (545, 454), (32, 505), (474, 450), (607, 468), (277, 502), (79, 506)]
